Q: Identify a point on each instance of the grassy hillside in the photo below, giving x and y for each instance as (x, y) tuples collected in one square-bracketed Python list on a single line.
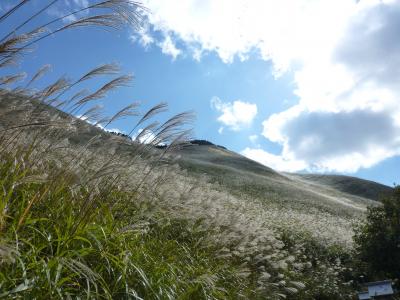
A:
[(240, 175), (350, 185), (90, 214)]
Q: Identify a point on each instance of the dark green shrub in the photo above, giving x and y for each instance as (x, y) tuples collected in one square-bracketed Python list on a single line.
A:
[(377, 240)]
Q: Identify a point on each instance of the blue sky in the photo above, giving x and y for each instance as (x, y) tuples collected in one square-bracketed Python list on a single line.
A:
[(302, 86)]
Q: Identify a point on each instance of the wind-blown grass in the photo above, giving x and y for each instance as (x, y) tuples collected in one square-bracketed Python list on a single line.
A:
[(91, 214), (70, 232)]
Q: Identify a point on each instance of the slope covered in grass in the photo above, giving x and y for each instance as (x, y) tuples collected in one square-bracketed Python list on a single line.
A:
[(242, 175), (350, 185), (90, 214), (61, 240), (81, 220)]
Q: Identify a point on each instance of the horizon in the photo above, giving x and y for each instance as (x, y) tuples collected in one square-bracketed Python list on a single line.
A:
[(306, 89)]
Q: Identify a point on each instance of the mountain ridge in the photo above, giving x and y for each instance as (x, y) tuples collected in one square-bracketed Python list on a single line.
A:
[(347, 184)]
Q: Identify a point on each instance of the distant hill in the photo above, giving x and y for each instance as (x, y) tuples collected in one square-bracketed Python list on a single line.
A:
[(243, 176), (349, 184)]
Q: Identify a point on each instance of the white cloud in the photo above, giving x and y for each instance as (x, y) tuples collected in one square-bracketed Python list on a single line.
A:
[(281, 30), (168, 47), (143, 36), (348, 114), (276, 162), (335, 141), (236, 115), (116, 130), (146, 40), (91, 122), (145, 137), (345, 58)]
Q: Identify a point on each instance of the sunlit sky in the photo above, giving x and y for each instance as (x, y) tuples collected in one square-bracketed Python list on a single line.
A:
[(297, 85)]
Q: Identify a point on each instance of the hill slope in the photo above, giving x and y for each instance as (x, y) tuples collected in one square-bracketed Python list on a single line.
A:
[(265, 228), (243, 176), (348, 184), (237, 173), (308, 202)]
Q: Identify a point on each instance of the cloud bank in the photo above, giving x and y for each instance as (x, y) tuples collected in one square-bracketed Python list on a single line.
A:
[(345, 58)]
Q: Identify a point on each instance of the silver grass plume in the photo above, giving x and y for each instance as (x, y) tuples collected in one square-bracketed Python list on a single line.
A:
[(92, 114), (120, 81), (53, 88), (171, 128), (12, 47), (8, 62), (155, 110), (130, 110), (80, 94), (145, 131), (122, 12), (41, 72), (104, 69), (10, 79), (25, 22)]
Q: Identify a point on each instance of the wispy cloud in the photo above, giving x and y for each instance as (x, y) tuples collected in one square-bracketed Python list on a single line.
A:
[(143, 37), (168, 47)]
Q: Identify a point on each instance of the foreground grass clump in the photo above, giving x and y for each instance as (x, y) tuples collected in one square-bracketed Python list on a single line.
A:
[(60, 239)]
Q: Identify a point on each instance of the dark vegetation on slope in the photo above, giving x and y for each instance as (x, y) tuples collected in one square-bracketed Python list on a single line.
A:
[(205, 142), (377, 240)]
